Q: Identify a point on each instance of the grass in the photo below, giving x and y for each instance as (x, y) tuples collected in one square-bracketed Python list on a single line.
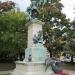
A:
[(7, 66), (69, 66), (11, 66), (5, 74)]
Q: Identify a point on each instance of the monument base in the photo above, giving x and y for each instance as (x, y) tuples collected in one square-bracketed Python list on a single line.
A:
[(30, 68), (37, 52)]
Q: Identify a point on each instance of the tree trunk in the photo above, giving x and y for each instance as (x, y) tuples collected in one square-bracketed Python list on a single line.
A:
[(50, 53), (71, 58)]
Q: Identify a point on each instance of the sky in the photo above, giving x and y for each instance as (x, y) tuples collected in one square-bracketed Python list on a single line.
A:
[(68, 6)]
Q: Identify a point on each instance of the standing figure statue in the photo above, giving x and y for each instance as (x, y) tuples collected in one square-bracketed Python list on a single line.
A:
[(33, 8)]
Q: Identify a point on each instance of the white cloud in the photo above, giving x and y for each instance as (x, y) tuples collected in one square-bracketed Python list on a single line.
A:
[(22, 4), (69, 8)]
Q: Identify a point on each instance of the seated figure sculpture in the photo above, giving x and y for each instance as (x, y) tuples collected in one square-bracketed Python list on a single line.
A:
[(38, 39)]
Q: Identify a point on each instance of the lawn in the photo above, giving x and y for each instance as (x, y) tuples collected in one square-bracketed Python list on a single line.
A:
[(69, 66), (7, 66), (11, 66)]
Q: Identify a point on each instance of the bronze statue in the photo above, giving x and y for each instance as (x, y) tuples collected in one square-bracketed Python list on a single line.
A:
[(38, 39), (33, 8)]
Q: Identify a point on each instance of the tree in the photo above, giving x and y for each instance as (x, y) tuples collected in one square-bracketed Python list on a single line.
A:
[(55, 24), (71, 39), (13, 33), (6, 6)]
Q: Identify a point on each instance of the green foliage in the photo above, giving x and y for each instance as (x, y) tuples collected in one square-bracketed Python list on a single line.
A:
[(13, 32), (56, 26)]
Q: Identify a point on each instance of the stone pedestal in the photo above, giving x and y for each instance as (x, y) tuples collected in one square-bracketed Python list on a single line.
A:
[(36, 50), (38, 53), (34, 27), (30, 68)]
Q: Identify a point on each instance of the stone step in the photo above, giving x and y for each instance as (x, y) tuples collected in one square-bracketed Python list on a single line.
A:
[(31, 68)]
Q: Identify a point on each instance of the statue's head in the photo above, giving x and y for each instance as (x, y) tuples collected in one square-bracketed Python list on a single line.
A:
[(34, 13), (32, 10)]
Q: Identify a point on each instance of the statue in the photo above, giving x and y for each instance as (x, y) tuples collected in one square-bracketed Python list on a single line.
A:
[(38, 39), (33, 8)]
